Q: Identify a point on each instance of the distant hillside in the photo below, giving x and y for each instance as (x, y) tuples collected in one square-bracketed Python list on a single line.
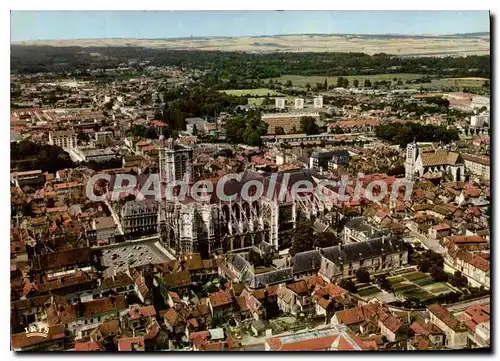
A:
[(404, 45)]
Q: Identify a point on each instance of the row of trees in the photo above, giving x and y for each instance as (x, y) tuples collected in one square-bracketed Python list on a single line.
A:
[(404, 133), (221, 66), (143, 132)]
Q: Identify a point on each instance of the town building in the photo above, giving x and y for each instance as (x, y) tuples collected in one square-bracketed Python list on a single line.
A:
[(338, 338), (139, 217), (358, 229), (479, 120), (102, 139), (325, 160), (96, 155), (66, 139), (318, 102), (380, 255), (28, 178), (299, 103), (280, 103), (198, 124), (477, 166), (290, 122), (454, 330), (175, 162), (421, 162)]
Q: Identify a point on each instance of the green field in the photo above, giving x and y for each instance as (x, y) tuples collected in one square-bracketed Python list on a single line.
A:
[(301, 80), (368, 291), (261, 92), (394, 280), (424, 281), (450, 82), (255, 101), (414, 276), (438, 288)]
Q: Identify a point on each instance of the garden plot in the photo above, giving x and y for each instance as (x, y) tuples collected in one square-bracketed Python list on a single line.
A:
[(438, 288), (415, 276), (368, 291)]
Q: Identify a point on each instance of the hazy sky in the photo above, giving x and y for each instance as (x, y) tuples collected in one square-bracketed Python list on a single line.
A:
[(33, 25)]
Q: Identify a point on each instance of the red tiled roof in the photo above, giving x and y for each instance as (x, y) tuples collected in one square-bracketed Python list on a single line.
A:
[(444, 315), (136, 313), (299, 287), (88, 346), (480, 263), (131, 344), (392, 323), (220, 298), (466, 239), (441, 227)]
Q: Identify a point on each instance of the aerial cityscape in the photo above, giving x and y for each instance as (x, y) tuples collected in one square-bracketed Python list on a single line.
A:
[(250, 181)]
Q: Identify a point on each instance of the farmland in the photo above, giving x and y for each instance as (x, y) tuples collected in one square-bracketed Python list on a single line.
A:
[(301, 81), (260, 92), (463, 44)]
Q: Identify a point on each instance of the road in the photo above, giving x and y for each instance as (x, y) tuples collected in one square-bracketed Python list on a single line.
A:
[(432, 244), (115, 217), (74, 156)]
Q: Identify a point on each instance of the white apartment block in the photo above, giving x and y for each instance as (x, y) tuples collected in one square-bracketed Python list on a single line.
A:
[(318, 102), (299, 103), (280, 103)]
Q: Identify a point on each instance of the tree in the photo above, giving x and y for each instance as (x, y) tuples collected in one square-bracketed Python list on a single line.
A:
[(308, 125), (348, 285), (325, 85), (279, 131), (246, 128), (368, 83), (384, 283), (459, 280), (340, 82), (424, 266), (308, 86), (151, 133), (288, 84), (195, 130), (325, 239), (355, 83), (345, 83), (362, 275), (257, 260), (302, 237), (438, 274)]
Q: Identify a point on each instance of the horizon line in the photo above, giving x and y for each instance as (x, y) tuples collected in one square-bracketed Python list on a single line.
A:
[(260, 36)]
